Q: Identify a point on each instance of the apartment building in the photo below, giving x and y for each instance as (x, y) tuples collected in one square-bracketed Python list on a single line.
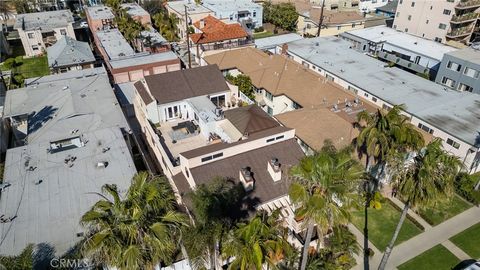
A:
[(193, 126), (40, 30), (337, 4), (69, 54), (451, 21), (137, 13), (449, 115), (69, 137), (370, 6), (124, 64), (460, 70), (297, 97), (213, 35), (248, 13), (99, 18), (195, 12), (418, 55)]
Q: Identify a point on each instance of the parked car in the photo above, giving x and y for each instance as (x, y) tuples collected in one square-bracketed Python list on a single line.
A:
[(473, 266), (84, 24)]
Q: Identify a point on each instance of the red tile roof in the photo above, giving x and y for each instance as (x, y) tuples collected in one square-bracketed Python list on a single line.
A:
[(215, 30)]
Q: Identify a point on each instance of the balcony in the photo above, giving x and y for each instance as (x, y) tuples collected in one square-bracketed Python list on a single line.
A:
[(467, 4), (460, 32), (226, 45), (469, 17)]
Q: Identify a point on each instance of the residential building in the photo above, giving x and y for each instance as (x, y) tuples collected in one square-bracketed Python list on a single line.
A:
[(449, 115), (99, 18), (124, 64), (271, 44), (69, 54), (337, 4), (197, 132), (388, 10), (42, 29), (409, 52), (68, 137), (368, 6), (137, 13), (297, 97), (334, 22), (248, 13), (212, 35), (460, 70), (454, 21), (195, 12)]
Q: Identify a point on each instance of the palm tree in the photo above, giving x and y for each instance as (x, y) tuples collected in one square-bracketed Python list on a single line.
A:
[(422, 182), (260, 241), (384, 132), (137, 232), (212, 206), (324, 189)]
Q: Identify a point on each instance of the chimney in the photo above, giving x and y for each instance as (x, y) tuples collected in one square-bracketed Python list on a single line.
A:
[(274, 169), (246, 177), (202, 23)]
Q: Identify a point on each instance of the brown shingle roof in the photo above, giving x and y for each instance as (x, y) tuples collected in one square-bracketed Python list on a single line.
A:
[(215, 30), (147, 99), (281, 76), (250, 119), (186, 83), (288, 153)]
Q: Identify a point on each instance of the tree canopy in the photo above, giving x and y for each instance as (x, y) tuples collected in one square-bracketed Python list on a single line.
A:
[(283, 15)]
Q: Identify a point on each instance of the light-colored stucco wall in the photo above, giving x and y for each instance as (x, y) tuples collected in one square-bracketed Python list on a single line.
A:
[(307, 26), (426, 16), (37, 39)]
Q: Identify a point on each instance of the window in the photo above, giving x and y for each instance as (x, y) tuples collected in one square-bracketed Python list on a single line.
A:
[(309, 26), (386, 107), (187, 172), (394, 26), (398, 14), (451, 1), (353, 89), (374, 99), (31, 35), (35, 47), (254, 14), (406, 30), (279, 137), (454, 66), (427, 22), (413, 4), (425, 128), (270, 140), (339, 27), (409, 17), (63, 32), (231, 17), (464, 87), (470, 72), (172, 112), (305, 64), (207, 158), (448, 82), (453, 143), (219, 101), (365, 94), (296, 105), (269, 110), (437, 39), (401, 2), (268, 95), (442, 26), (431, 7), (329, 77), (447, 11)]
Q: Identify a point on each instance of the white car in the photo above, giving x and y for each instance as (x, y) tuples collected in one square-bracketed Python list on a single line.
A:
[(473, 266)]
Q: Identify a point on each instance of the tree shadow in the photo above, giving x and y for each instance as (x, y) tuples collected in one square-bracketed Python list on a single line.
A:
[(43, 254), (36, 120)]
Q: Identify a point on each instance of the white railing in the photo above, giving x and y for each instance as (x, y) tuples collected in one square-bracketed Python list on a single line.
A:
[(244, 97)]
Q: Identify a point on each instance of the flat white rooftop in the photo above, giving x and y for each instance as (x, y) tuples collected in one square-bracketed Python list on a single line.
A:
[(100, 12), (229, 5), (115, 45), (403, 40), (134, 9), (192, 7)]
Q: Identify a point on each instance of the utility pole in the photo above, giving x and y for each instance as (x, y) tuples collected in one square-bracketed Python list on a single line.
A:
[(188, 38), (320, 21)]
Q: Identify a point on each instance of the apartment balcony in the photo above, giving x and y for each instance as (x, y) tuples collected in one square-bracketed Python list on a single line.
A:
[(227, 45), (465, 18), (468, 4), (460, 32)]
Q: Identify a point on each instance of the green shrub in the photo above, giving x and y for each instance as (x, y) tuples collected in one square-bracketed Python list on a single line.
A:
[(259, 29), (9, 63), (465, 187), (19, 60)]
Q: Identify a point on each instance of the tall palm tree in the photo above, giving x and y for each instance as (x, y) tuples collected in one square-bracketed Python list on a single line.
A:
[(422, 182), (212, 206), (384, 132), (135, 232), (260, 241), (325, 188)]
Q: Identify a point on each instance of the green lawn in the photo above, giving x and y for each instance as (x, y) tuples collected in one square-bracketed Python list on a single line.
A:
[(444, 210), (469, 241), (437, 258), (32, 67), (382, 223), (263, 34)]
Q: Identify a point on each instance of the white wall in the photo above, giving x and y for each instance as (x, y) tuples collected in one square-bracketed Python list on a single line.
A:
[(37, 39)]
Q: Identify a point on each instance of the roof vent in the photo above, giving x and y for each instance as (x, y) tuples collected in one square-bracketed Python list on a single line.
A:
[(103, 164), (246, 178), (274, 169)]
